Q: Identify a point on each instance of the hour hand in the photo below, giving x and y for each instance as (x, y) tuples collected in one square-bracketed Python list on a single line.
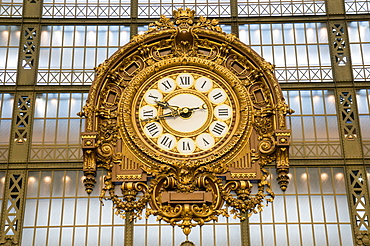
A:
[(162, 104), (166, 105), (162, 116)]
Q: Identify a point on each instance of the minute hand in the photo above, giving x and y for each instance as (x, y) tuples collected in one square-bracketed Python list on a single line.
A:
[(188, 110)]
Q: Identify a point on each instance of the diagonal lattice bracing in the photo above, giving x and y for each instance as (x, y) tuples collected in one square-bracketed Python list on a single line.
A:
[(347, 115), (12, 211), (358, 199)]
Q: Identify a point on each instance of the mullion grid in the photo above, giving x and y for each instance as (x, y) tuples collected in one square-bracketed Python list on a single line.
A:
[(201, 235), (280, 8), (44, 177), (87, 9), (57, 150), (209, 8), (357, 7), (7, 72), (306, 69), (11, 8), (363, 107), (293, 192), (6, 109), (361, 69), (330, 146), (84, 75)]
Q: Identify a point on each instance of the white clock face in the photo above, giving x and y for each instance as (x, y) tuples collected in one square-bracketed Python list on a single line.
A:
[(186, 113), (197, 118)]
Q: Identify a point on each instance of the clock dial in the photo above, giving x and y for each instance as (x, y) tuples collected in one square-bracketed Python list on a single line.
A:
[(193, 119), (185, 113)]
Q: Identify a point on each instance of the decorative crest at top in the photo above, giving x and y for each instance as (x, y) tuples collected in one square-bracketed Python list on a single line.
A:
[(184, 15), (184, 18)]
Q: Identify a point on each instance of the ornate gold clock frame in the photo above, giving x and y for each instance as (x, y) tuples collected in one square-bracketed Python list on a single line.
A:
[(185, 118)]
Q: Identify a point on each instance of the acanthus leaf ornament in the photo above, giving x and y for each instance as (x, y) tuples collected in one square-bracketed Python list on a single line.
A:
[(185, 118)]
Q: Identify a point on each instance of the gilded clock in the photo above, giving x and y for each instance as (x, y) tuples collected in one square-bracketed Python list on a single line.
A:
[(185, 118), (185, 112)]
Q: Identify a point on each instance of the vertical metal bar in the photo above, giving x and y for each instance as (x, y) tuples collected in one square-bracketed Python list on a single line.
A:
[(129, 231), (310, 202), (244, 230)]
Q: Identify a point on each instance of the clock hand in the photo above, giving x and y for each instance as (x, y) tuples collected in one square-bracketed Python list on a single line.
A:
[(189, 110), (166, 105), (162, 116), (175, 111)]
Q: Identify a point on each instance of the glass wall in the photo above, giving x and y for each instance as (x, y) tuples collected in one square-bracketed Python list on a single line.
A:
[(313, 211), (86, 9), (210, 8), (301, 38), (359, 37), (280, 7), (363, 96)]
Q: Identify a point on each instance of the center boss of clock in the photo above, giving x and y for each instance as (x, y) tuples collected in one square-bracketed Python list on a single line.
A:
[(185, 112)]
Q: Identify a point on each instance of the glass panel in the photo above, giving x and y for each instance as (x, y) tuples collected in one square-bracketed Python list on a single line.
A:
[(6, 111), (300, 51), (61, 133), (308, 213), (314, 124), (9, 42), (66, 60), (86, 9), (250, 8), (357, 6), (358, 33)]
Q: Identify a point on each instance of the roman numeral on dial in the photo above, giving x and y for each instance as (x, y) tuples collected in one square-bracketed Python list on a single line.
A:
[(147, 112), (153, 129), (203, 84), (217, 96), (166, 85), (151, 96), (186, 146), (218, 128), (205, 141), (185, 80), (223, 112), (166, 141)]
